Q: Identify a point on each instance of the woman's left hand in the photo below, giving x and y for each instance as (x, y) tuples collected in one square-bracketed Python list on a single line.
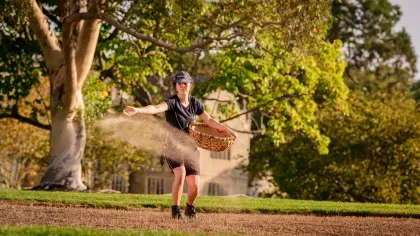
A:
[(231, 133)]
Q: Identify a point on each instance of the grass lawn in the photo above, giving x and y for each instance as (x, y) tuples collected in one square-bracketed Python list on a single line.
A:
[(214, 204), (48, 230)]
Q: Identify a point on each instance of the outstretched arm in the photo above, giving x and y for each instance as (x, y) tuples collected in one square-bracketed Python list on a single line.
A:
[(216, 125), (150, 109)]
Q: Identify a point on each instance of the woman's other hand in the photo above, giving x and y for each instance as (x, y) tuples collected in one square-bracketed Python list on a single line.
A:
[(231, 133)]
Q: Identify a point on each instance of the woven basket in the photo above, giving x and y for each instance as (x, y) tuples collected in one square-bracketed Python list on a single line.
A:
[(209, 138)]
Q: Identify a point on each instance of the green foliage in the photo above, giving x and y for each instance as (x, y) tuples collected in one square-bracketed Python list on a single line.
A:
[(96, 98), (280, 67), (415, 90), (283, 85), (374, 154), (101, 154), (23, 147), (272, 57), (104, 158), (21, 70), (133, 68), (23, 152), (379, 57), (141, 67)]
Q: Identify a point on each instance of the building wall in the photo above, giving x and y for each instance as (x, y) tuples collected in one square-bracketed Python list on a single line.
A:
[(222, 172)]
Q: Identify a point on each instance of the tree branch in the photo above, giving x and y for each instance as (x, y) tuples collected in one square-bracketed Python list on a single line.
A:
[(111, 36), (69, 53), (27, 120), (248, 132), (43, 103), (268, 23), (112, 21), (246, 112), (46, 39), (253, 109), (231, 25), (356, 81), (143, 91), (243, 113), (217, 100), (255, 122), (351, 193), (127, 15), (196, 63), (210, 81), (101, 64), (243, 95), (86, 47), (52, 17), (78, 16)]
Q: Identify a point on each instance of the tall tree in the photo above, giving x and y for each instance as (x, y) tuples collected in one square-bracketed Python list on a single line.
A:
[(68, 32), (373, 157), (379, 57)]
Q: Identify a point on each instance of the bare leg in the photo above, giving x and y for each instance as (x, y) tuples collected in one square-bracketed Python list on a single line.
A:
[(177, 185), (193, 183)]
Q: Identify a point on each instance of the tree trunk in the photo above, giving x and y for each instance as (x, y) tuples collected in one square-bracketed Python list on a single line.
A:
[(68, 68), (68, 138)]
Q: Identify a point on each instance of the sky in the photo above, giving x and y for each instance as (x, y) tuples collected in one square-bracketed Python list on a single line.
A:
[(410, 21)]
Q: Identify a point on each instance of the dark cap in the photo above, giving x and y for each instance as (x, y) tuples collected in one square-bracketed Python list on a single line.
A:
[(182, 77)]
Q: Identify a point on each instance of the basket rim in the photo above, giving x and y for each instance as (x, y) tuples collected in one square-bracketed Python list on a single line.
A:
[(207, 135)]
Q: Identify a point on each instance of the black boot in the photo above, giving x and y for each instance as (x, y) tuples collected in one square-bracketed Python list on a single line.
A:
[(190, 211), (176, 212)]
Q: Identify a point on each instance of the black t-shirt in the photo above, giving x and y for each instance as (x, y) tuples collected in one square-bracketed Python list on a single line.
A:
[(179, 116)]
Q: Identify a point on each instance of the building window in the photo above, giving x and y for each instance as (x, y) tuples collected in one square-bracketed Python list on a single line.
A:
[(155, 185), (225, 155), (216, 190), (118, 183)]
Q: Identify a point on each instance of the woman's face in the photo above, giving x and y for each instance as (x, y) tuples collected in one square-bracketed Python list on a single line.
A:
[(183, 88)]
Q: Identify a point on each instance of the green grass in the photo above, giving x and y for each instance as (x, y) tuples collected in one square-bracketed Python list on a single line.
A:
[(214, 204), (48, 230)]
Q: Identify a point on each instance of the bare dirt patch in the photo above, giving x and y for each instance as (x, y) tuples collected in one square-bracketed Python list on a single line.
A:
[(251, 224)]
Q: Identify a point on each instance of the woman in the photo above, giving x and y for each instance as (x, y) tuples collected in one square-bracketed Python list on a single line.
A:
[(180, 110)]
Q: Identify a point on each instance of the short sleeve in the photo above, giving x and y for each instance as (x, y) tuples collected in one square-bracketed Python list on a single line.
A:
[(171, 102), (199, 108)]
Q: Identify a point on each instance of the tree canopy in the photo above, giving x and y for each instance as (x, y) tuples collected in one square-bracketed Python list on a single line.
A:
[(373, 150), (374, 154), (278, 44), (276, 68), (379, 56)]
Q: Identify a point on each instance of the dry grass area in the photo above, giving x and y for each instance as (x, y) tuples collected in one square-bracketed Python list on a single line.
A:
[(250, 224)]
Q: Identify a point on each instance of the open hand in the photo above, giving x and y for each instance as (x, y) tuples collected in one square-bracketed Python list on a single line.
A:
[(129, 111)]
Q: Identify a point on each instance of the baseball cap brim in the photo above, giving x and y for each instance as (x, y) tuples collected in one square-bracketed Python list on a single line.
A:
[(183, 80)]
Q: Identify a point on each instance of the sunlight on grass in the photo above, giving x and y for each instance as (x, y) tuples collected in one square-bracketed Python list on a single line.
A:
[(213, 204)]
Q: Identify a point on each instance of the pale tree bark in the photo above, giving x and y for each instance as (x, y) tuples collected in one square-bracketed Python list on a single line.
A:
[(68, 68)]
